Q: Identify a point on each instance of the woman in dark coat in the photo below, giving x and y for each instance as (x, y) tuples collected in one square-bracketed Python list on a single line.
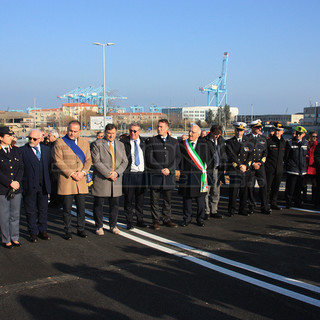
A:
[(11, 172)]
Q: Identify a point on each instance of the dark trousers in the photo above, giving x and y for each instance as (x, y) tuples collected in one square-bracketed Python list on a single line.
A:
[(134, 196), (294, 184), (273, 186), (67, 206), (155, 208), (260, 176), (55, 199), (36, 209), (98, 203), (187, 208), (238, 185)]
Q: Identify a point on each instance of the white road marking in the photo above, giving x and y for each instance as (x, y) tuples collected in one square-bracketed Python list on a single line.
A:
[(211, 266)]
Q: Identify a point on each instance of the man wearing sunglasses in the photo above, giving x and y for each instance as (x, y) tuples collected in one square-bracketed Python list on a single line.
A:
[(36, 185), (134, 177), (296, 166)]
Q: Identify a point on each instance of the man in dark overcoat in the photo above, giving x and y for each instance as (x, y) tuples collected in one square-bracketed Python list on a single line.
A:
[(276, 146), (162, 160)]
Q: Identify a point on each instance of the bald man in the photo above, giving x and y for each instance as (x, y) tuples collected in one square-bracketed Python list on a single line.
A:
[(36, 185)]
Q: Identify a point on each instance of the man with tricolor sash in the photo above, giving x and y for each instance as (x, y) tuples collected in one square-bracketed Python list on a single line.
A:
[(193, 182)]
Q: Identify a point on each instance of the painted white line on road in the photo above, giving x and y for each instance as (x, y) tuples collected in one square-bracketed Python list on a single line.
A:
[(292, 208), (230, 262), (240, 265), (237, 275), (211, 266)]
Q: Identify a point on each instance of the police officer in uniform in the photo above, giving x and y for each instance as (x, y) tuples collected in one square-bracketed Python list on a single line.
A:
[(276, 146), (11, 172), (296, 166), (257, 172), (239, 152)]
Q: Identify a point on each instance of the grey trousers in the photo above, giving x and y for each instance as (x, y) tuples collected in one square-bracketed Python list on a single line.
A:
[(10, 218), (213, 196)]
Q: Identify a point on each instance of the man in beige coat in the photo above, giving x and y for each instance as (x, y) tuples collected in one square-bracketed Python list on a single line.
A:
[(73, 160), (109, 161)]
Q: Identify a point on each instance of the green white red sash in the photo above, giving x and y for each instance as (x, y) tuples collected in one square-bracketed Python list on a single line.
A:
[(198, 162)]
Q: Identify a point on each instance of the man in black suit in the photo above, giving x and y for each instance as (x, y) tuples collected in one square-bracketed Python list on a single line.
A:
[(193, 181), (258, 171), (162, 160), (239, 152), (134, 177), (36, 185)]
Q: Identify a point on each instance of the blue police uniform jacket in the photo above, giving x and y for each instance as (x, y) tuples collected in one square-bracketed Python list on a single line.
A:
[(295, 156)]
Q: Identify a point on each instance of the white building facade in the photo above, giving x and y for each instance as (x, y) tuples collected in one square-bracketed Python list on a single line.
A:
[(200, 113)]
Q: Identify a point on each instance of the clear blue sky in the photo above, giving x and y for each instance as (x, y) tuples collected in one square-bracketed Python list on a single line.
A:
[(164, 51)]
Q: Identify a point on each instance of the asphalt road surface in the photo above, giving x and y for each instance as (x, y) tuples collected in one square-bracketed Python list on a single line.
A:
[(256, 267)]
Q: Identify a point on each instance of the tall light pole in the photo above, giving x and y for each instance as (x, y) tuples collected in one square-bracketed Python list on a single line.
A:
[(104, 79)]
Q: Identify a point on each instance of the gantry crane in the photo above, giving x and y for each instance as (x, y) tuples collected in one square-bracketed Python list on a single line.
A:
[(218, 87), (91, 95)]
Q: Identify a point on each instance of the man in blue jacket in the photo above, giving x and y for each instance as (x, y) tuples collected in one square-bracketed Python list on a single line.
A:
[(36, 185), (296, 166)]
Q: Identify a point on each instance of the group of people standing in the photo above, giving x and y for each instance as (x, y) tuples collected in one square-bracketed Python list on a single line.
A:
[(198, 166)]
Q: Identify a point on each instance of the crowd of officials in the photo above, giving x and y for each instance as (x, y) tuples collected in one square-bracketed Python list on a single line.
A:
[(60, 169)]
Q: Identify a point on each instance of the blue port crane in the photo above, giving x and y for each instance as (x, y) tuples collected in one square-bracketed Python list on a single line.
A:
[(137, 109), (91, 95), (218, 88)]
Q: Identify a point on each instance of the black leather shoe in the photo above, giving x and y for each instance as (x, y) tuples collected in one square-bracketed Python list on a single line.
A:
[(43, 236), (68, 236), (82, 234), (130, 227), (200, 224), (229, 214), (141, 224), (16, 244), (206, 217), (184, 224), (216, 215), (275, 207), (33, 238), (242, 213), (266, 211)]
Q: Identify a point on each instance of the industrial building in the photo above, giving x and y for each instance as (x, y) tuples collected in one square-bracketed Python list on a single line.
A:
[(284, 118)]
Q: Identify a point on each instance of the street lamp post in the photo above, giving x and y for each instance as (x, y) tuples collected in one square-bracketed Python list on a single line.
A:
[(104, 79)]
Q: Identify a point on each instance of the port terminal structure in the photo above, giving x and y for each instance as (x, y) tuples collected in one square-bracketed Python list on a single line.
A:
[(218, 88), (91, 95)]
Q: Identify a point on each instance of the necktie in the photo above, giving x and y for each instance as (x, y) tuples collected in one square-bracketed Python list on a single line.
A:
[(37, 153), (192, 145), (113, 157), (7, 150), (136, 153)]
